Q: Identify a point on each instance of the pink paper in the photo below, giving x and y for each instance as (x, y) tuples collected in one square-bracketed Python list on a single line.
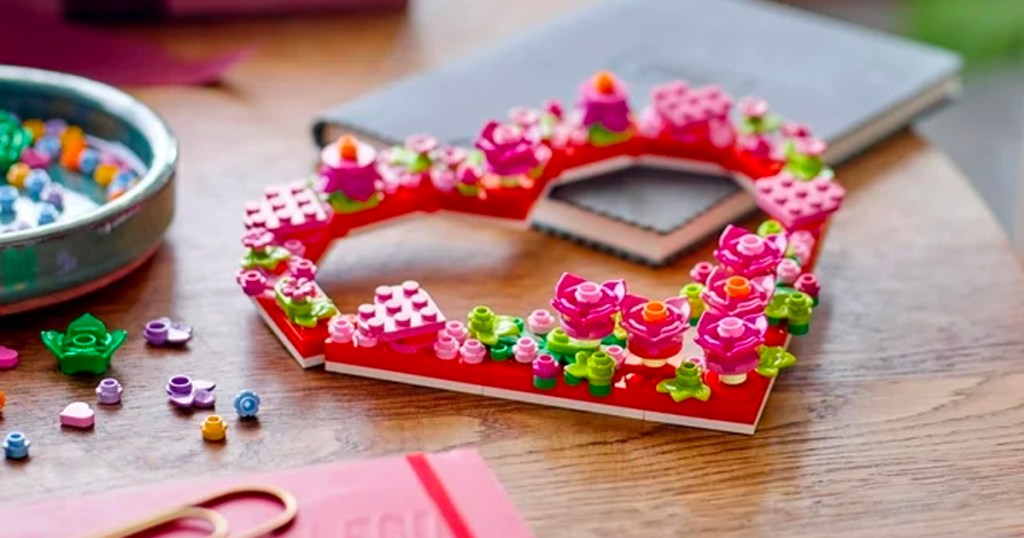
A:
[(382, 497), (31, 39)]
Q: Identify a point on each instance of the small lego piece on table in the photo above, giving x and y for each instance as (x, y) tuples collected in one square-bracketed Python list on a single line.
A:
[(737, 295), (692, 292), (787, 272), (701, 271), (400, 312), (85, 347), (686, 384), (655, 328), (447, 346), (261, 252), (540, 322), (690, 115), (545, 372), (302, 301), (808, 283), (184, 393), (214, 429), (3, 401), (604, 102), (8, 358), (747, 254), (164, 332), (78, 415), (16, 446), (805, 158), (587, 308), (340, 329), (799, 204), (288, 209), (773, 359), (349, 175), (731, 344), (108, 392), (487, 327), (472, 351), (247, 404), (598, 368), (509, 153), (525, 350)]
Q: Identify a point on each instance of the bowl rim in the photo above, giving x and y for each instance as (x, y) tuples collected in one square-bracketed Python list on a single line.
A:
[(118, 103)]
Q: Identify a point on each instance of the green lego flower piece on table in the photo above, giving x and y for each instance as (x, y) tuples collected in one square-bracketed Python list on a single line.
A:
[(770, 227), (775, 310), (14, 138), (599, 136), (686, 384), (343, 204), (268, 257), (559, 344), (576, 370), (306, 307), (86, 347), (600, 372), (489, 328), (804, 166), (772, 359), (692, 293)]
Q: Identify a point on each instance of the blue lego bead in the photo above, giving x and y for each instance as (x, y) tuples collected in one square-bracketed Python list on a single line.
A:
[(48, 214), (49, 144), (247, 404), (123, 179), (8, 195), (37, 180), (53, 194), (16, 446), (88, 160)]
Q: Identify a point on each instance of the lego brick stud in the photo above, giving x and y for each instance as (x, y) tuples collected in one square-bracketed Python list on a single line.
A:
[(545, 372), (247, 404), (214, 429), (525, 350), (340, 329), (446, 347), (472, 351), (108, 392), (16, 446), (540, 322), (78, 415)]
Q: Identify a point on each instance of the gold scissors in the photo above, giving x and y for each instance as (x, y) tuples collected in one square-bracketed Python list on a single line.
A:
[(195, 510)]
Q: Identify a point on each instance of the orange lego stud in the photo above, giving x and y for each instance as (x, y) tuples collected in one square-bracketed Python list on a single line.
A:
[(654, 311), (604, 82), (3, 401), (737, 287), (348, 148)]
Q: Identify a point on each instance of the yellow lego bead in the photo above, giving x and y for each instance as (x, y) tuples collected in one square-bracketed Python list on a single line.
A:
[(104, 174), (17, 173), (36, 127), (214, 429), (72, 135)]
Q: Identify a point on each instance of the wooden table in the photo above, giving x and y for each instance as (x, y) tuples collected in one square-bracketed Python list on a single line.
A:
[(905, 415)]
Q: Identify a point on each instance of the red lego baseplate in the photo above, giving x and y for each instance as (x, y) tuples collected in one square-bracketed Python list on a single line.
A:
[(401, 335)]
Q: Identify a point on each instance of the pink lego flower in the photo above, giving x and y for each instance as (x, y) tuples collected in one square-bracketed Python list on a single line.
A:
[(257, 239), (421, 143), (603, 100), (299, 290), (451, 156), (508, 152), (736, 295), (810, 146), (586, 308), (524, 117), (747, 254), (795, 130), (730, 343), (554, 107), (655, 328), (753, 107)]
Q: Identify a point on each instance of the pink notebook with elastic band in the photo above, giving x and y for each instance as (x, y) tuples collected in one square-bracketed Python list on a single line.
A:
[(451, 494)]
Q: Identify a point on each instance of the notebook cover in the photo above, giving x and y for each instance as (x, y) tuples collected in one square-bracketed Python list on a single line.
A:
[(830, 75), (450, 494)]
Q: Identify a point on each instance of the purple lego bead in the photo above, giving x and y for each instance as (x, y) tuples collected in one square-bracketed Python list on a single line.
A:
[(183, 392), (164, 332), (108, 392)]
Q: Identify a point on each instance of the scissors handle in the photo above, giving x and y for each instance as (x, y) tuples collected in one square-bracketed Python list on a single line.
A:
[(219, 524)]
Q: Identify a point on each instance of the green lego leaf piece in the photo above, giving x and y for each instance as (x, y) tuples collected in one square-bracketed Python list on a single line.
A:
[(409, 159), (267, 258), (14, 138), (599, 136), (772, 359), (559, 344), (692, 293), (85, 347), (686, 384), (489, 328), (763, 125), (307, 312), (803, 166), (343, 204), (578, 368)]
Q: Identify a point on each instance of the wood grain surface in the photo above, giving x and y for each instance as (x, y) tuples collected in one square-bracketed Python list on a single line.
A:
[(904, 416)]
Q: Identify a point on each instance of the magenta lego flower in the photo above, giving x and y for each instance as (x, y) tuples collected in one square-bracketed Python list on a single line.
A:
[(603, 100), (257, 239), (791, 129), (508, 151), (748, 254), (421, 143), (810, 146), (655, 328), (736, 295), (753, 107), (299, 290), (731, 344), (587, 308), (554, 107)]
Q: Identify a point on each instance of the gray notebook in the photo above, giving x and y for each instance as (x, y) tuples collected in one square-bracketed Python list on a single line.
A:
[(851, 85)]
